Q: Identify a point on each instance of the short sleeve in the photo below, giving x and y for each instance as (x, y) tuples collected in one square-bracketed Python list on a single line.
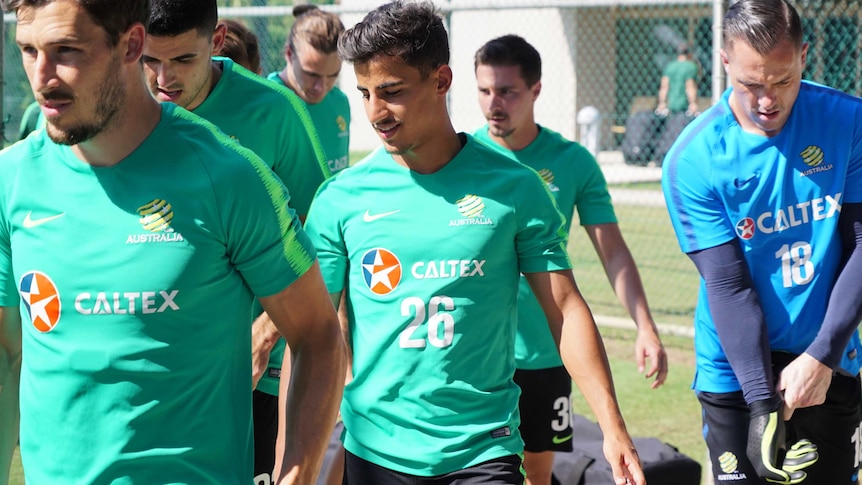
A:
[(265, 239), (541, 237), (593, 201), (8, 288), (696, 211), (325, 231)]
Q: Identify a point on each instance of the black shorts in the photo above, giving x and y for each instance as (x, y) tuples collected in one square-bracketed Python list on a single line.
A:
[(265, 413), (833, 427), (506, 470), (546, 409)]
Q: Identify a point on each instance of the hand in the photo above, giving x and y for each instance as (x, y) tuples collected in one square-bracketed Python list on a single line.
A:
[(262, 341), (804, 383), (767, 449), (623, 458), (693, 110), (662, 110), (648, 346)]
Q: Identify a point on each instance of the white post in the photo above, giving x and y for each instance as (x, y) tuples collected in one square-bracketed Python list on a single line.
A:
[(589, 119)]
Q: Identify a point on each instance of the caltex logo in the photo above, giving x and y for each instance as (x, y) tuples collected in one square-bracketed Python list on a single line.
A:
[(745, 228), (381, 270), (41, 299)]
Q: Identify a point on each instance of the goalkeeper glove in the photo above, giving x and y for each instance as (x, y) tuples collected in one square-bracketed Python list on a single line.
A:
[(767, 449)]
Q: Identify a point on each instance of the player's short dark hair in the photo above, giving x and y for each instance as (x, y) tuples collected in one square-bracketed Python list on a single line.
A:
[(762, 24), (316, 28), (169, 18), (413, 32), (115, 17), (511, 50), (240, 45)]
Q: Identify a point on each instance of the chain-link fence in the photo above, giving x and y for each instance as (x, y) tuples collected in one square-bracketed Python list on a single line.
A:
[(608, 54)]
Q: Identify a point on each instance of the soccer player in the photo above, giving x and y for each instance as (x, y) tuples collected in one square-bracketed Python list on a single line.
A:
[(428, 236), (508, 75), (241, 45), (270, 120), (134, 237), (311, 71), (765, 195)]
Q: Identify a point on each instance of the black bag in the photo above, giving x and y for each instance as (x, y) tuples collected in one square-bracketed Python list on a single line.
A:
[(673, 126), (642, 132), (586, 465)]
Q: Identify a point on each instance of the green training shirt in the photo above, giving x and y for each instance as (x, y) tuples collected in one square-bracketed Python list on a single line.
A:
[(575, 180), (136, 283), (331, 117), (274, 123), (678, 73), (432, 264)]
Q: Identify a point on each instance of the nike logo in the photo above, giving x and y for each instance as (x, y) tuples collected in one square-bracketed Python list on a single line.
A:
[(369, 218), (560, 439), (30, 223), (740, 183)]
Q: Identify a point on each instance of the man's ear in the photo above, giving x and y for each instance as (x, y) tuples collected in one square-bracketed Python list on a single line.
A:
[(218, 38), (536, 89), (133, 40), (444, 79), (725, 61)]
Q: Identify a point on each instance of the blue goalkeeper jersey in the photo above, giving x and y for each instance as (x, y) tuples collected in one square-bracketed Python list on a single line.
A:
[(780, 197)]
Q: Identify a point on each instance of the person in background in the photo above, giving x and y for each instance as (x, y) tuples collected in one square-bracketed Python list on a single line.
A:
[(677, 91), (268, 119), (508, 74), (311, 71), (241, 45)]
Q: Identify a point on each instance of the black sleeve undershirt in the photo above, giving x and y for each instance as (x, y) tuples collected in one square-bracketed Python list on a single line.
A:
[(739, 319)]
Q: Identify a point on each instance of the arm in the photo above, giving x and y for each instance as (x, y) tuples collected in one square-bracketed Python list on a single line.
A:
[(309, 400), (691, 94), (626, 281), (583, 353), (10, 374), (806, 379), (662, 96), (738, 317)]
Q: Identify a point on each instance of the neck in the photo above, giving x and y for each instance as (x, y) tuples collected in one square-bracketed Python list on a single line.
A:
[(518, 139), (284, 75), (434, 153), (132, 124)]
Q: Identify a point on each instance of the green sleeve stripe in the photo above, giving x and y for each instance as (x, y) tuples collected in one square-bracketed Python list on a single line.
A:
[(295, 253), (304, 117)]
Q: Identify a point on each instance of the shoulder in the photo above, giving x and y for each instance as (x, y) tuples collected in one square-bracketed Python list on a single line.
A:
[(29, 149), (824, 99), (257, 91), (194, 140), (488, 160), (338, 95)]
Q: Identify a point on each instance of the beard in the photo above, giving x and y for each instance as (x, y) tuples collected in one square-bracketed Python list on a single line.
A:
[(112, 95)]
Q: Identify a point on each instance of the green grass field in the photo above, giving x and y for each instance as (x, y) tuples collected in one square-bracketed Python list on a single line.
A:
[(669, 277)]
